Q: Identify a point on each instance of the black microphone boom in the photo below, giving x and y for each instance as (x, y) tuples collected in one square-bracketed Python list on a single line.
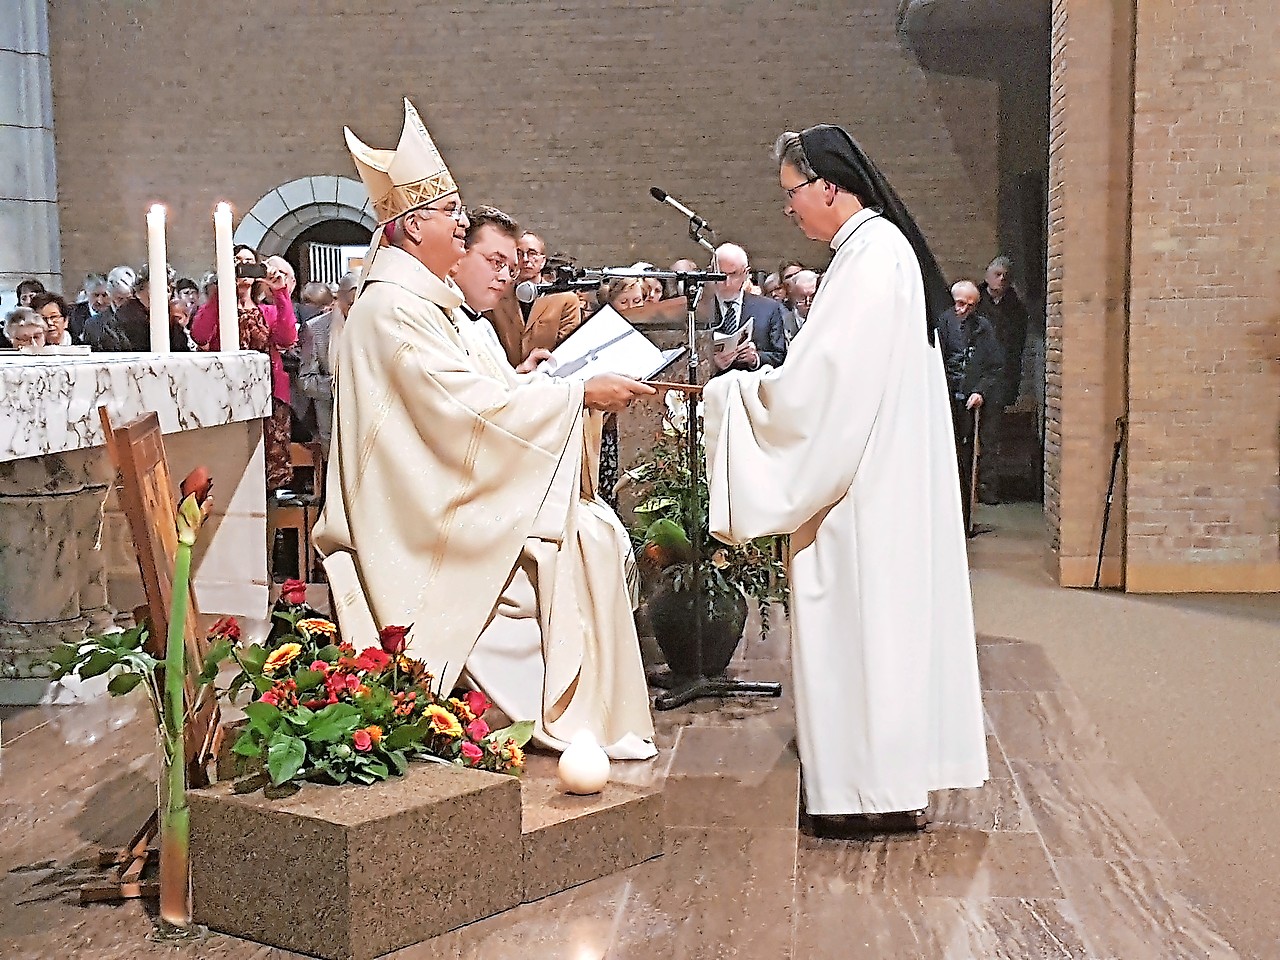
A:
[(696, 223)]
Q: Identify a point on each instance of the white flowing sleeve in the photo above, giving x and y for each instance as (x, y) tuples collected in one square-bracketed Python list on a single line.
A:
[(785, 444)]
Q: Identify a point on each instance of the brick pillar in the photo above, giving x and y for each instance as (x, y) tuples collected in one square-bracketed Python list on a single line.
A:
[(1085, 352), (28, 177), (1204, 382)]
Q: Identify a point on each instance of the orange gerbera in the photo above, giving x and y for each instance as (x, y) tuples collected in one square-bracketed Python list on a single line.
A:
[(375, 733), (313, 627), (281, 656)]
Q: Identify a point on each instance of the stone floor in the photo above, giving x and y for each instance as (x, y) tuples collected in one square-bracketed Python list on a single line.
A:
[(1059, 855)]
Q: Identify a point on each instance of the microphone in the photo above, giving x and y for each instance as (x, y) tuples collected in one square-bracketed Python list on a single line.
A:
[(695, 221), (528, 291)]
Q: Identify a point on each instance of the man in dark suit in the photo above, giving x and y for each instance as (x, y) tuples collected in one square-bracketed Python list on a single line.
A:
[(99, 301), (734, 307), (975, 368)]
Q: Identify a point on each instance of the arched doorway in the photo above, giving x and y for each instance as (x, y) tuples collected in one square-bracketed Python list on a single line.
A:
[(320, 209)]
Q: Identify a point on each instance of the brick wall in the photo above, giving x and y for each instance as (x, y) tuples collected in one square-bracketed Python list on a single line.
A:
[(1086, 322), (1204, 385), (563, 113)]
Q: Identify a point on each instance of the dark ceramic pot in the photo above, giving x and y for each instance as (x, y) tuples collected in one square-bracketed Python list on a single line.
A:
[(671, 614)]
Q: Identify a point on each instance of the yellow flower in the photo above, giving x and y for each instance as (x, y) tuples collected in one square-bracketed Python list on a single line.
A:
[(375, 734), (442, 721), (516, 754), (312, 627), (281, 656)]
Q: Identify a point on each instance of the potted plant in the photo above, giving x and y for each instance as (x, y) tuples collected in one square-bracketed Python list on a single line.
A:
[(671, 511)]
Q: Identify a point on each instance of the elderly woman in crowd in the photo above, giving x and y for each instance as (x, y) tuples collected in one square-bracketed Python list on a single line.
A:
[(120, 281), (24, 328), (268, 326), (55, 313)]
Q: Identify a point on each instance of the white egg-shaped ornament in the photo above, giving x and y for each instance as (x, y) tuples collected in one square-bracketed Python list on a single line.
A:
[(584, 767)]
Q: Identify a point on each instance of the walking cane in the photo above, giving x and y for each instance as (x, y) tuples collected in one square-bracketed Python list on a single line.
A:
[(1121, 422), (973, 471)]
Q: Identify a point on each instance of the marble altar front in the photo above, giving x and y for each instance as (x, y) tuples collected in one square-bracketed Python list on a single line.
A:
[(66, 558)]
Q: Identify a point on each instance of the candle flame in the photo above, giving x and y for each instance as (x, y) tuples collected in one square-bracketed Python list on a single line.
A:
[(222, 207), (157, 209)]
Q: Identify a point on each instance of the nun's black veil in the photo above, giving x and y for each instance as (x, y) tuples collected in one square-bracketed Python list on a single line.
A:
[(836, 157)]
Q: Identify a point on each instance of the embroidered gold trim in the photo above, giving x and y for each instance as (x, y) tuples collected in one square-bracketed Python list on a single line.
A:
[(400, 200)]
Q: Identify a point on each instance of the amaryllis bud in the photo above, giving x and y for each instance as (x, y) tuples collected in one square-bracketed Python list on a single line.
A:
[(197, 484), (393, 639)]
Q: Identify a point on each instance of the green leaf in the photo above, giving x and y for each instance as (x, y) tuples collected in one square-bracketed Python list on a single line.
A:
[(378, 769), (252, 658), (335, 722), (654, 504), (521, 731), (329, 654), (285, 756), (133, 638), (397, 760), (213, 660), (65, 655), (98, 664), (263, 717), (405, 736), (300, 716), (308, 680), (670, 536), (247, 745), (123, 683)]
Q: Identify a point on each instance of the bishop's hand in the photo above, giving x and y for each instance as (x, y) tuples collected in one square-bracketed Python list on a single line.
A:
[(612, 392)]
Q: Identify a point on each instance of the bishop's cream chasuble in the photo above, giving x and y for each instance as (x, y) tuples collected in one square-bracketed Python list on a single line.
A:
[(454, 505), (848, 447)]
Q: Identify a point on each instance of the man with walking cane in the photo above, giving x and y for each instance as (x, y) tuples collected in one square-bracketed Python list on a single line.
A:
[(974, 363)]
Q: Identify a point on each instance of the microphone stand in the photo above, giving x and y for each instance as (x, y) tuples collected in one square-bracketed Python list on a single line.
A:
[(701, 687)]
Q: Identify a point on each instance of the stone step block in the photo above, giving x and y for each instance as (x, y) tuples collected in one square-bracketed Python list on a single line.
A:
[(569, 840), (351, 873)]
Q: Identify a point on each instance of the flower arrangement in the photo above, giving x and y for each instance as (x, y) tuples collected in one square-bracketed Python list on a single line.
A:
[(323, 712), (674, 507)]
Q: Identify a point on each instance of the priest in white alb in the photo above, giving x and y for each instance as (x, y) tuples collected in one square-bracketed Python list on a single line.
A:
[(454, 487), (848, 448)]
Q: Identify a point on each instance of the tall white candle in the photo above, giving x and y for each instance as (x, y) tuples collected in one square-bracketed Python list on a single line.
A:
[(158, 282), (228, 308)]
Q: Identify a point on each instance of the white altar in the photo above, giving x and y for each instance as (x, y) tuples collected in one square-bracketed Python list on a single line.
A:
[(67, 564)]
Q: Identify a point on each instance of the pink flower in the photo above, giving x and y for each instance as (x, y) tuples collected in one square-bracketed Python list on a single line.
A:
[(320, 666), (271, 697), (294, 592), (373, 660), (362, 740), (477, 729), (477, 702), (471, 753)]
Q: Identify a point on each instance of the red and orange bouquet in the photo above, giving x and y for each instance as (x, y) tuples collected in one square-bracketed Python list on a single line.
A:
[(323, 712)]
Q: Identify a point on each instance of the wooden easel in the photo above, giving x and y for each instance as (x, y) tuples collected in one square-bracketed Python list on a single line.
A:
[(147, 495)]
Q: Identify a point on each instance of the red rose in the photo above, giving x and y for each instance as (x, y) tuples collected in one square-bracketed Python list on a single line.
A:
[(393, 639), (471, 752), (294, 592), (477, 702), (226, 627), (198, 483), (477, 729), (363, 742)]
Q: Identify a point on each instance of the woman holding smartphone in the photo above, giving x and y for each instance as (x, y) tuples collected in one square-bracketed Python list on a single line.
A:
[(269, 327)]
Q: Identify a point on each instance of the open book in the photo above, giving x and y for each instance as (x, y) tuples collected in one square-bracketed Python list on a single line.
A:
[(607, 343), (734, 342)]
